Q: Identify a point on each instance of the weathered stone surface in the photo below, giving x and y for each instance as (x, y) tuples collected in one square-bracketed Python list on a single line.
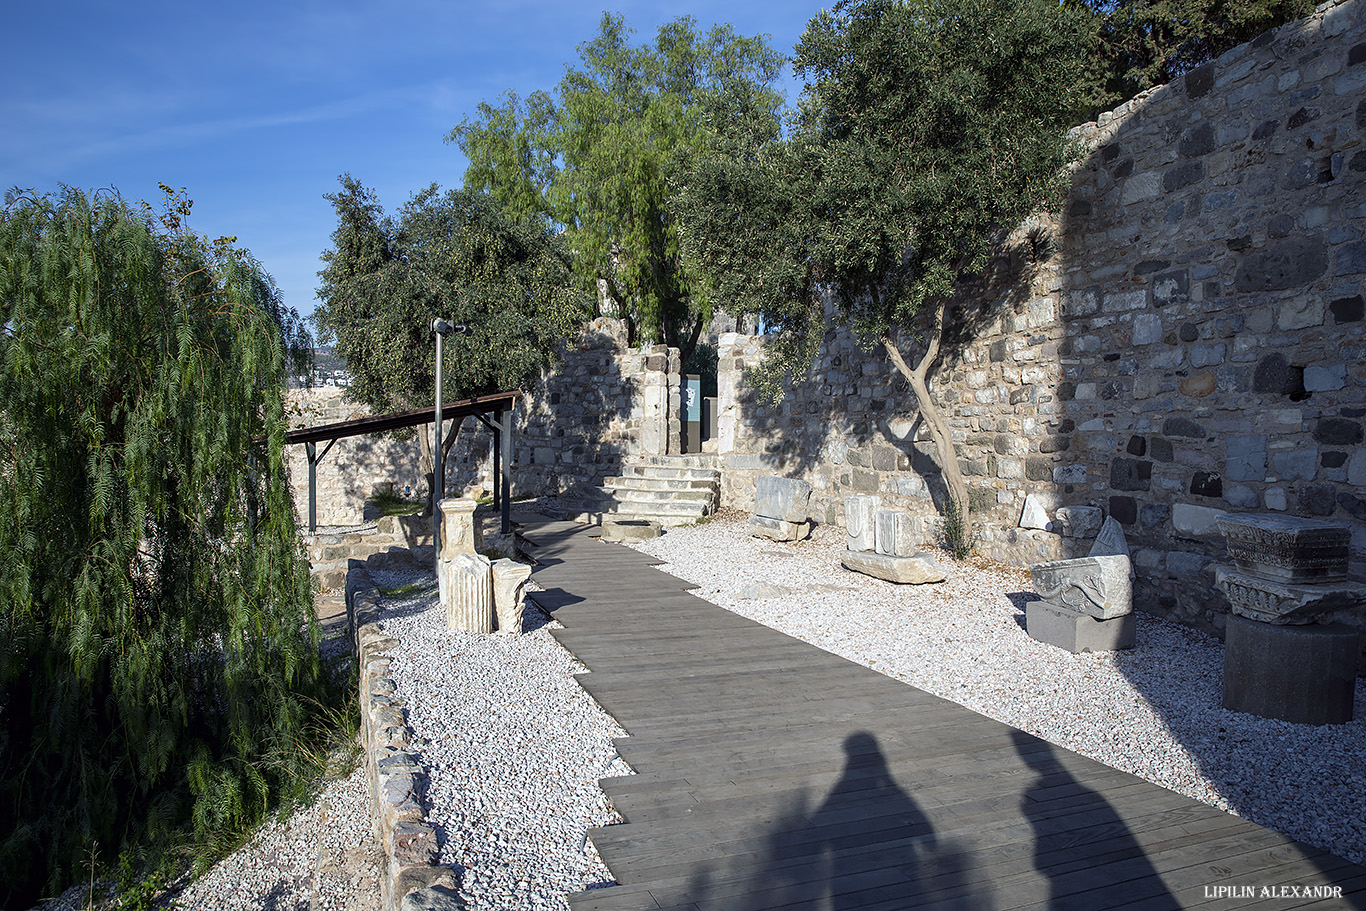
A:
[(1286, 265), (1269, 601), (859, 522), (916, 570), (433, 898), (1188, 519), (459, 532), (509, 594), (778, 530), (1286, 548), (1110, 541), (1246, 457), (1099, 587), (467, 592), (1300, 674), (1080, 521), (1034, 515), (897, 533), (785, 499), (628, 530), (1078, 632)]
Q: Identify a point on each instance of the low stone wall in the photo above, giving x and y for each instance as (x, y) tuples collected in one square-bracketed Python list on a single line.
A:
[(412, 877)]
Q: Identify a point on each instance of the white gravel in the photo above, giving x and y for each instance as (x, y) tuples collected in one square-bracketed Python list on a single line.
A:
[(1154, 711), (513, 748)]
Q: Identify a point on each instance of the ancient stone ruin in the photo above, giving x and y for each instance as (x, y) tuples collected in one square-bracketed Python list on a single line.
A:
[(885, 543), (780, 509), (1284, 656), (478, 595), (1087, 604)]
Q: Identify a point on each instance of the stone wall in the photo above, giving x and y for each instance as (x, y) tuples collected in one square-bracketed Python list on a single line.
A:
[(1194, 344), (355, 468)]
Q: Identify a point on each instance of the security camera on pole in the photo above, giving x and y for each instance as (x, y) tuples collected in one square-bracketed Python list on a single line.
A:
[(442, 329)]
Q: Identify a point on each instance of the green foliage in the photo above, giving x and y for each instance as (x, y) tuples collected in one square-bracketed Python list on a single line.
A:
[(454, 256), (391, 504), (927, 128), (957, 534), (604, 160), (1144, 43), (157, 643)]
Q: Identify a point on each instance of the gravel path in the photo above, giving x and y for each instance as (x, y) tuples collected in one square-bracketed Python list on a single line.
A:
[(1154, 711), (513, 748)]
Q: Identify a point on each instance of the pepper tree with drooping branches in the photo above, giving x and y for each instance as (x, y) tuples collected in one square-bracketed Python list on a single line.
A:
[(159, 674)]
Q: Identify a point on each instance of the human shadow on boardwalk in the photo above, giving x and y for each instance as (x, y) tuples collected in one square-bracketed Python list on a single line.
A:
[(867, 845), (1083, 847)]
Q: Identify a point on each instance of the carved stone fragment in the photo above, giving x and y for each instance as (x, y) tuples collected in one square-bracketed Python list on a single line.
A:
[(1096, 586)]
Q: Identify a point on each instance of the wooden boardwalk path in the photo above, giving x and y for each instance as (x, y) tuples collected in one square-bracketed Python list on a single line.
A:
[(773, 774)]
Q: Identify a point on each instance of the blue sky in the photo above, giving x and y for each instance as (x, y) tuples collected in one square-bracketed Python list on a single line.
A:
[(256, 108)]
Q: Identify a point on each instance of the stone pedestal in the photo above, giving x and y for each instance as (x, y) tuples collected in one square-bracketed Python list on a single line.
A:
[(467, 592), (1301, 674), (914, 570), (459, 533), (509, 594), (860, 513), (778, 530), (1077, 631), (897, 533)]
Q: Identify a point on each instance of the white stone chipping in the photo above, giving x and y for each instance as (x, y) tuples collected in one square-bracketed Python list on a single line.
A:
[(1154, 711), (513, 748)]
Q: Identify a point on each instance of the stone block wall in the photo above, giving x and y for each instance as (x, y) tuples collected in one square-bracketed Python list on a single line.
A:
[(355, 467), (1195, 343)]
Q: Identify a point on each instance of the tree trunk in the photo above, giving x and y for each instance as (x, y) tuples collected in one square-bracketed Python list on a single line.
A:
[(934, 421)]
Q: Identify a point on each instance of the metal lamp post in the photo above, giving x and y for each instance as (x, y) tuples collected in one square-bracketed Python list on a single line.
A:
[(442, 329)]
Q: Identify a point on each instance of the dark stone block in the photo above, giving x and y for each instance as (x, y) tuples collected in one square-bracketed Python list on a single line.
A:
[(1183, 175), (1351, 259), (1123, 169), (1188, 332), (1300, 674), (1301, 117), (1353, 504), (1131, 474), (1154, 515), (865, 481), (1160, 450), (1067, 426), (1265, 130), (1280, 226), (1055, 443), (1110, 152), (1356, 55), (1206, 484), (1361, 113), (1333, 459), (1039, 468), (1124, 510), (1182, 427), (1239, 244), (1317, 499), (1066, 392), (1149, 266), (1288, 264), (1200, 80), (1112, 390), (1079, 208), (1338, 432), (1358, 162), (1199, 141), (999, 352), (1137, 446), (1275, 376), (1171, 288)]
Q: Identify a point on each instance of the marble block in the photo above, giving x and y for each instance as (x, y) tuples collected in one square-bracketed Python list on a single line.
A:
[(459, 533), (915, 570), (1286, 548), (1080, 521), (1099, 587), (509, 594), (896, 533), (1285, 603), (778, 530), (785, 499), (859, 521), (627, 530), (467, 592)]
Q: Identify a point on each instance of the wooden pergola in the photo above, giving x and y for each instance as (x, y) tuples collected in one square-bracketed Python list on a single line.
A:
[(493, 411)]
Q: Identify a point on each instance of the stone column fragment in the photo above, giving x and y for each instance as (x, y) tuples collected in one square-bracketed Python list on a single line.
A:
[(509, 594), (859, 512), (467, 592)]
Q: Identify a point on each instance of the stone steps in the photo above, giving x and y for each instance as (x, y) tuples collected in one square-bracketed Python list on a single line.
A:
[(668, 490)]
